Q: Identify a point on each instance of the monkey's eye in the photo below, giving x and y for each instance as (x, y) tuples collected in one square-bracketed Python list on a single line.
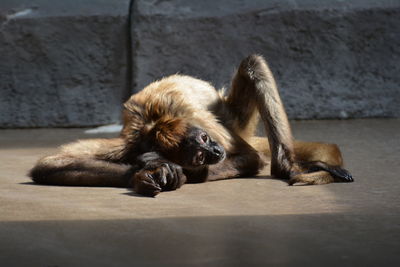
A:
[(204, 138)]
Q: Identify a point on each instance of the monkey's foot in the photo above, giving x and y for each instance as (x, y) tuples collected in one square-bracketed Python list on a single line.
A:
[(341, 175)]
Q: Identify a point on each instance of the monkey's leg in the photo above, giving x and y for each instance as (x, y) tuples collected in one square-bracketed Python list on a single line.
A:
[(315, 151), (317, 163), (304, 151), (67, 170), (254, 87)]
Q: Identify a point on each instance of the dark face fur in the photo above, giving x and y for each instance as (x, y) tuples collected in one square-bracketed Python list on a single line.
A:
[(198, 149)]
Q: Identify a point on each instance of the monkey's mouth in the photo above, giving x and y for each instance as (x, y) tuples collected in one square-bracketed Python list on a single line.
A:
[(203, 158), (199, 159)]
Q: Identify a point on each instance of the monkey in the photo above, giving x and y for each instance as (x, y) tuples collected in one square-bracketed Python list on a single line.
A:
[(180, 129)]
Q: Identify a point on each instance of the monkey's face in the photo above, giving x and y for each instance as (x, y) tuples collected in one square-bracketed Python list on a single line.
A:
[(198, 149)]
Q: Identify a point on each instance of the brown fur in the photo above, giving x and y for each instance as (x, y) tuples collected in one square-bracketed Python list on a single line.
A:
[(157, 120), (168, 132)]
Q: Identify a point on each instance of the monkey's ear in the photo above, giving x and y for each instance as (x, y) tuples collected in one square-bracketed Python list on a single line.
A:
[(168, 132)]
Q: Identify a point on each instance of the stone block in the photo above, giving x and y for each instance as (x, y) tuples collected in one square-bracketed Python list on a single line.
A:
[(63, 63), (331, 59)]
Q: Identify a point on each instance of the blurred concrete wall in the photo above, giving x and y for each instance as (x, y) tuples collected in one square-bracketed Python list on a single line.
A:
[(72, 63)]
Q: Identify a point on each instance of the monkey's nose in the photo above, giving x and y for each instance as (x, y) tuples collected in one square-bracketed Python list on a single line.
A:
[(218, 151)]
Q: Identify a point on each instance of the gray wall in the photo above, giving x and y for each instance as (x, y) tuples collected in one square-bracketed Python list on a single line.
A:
[(63, 63), (68, 63)]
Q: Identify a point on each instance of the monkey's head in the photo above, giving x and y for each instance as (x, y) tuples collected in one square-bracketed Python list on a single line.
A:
[(197, 149), (184, 144)]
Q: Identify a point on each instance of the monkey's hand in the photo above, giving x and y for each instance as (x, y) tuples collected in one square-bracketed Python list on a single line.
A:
[(157, 175)]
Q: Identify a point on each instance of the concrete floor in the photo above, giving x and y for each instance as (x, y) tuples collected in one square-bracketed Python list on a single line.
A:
[(256, 221)]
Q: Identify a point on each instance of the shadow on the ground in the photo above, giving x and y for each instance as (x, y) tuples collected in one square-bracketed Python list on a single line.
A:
[(130, 191), (290, 240)]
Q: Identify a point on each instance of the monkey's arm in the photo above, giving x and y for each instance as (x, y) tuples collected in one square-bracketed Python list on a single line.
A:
[(108, 162), (74, 171), (235, 165), (243, 165), (92, 162)]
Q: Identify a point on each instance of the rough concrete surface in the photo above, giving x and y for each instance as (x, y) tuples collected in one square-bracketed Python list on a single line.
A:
[(63, 63), (255, 221)]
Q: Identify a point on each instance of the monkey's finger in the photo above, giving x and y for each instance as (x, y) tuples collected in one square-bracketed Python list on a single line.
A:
[(177, 178), (145, 185), (156, 175), (170, 177), (147, 188), (162, 177), (180, 177), (174, 181), (170, 174)]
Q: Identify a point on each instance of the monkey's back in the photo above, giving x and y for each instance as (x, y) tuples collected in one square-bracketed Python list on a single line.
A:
[(194, 92)]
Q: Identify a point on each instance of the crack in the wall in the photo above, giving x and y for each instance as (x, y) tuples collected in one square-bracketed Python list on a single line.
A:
[(129, 54)]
